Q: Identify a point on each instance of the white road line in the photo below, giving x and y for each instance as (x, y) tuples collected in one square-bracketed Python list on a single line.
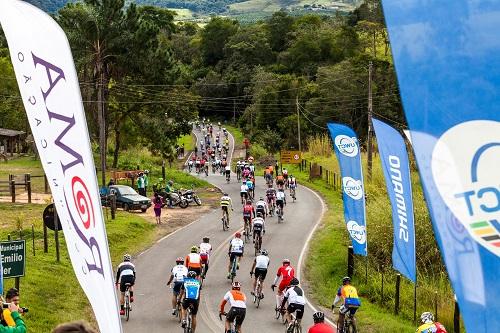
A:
[(306, 247)]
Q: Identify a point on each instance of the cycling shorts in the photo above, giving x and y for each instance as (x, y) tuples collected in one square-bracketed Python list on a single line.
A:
[(233, 255), (228, 172), (257, 228), (177, 287), (197, 270), (260, 273), (125, 279), (284, 284), (243, 194), (204, 257), (224, 209), (191, 302), (344, 309), (270, 199), (297, 308), (280, 181), (262, 210), (238, 313), (280, 203)]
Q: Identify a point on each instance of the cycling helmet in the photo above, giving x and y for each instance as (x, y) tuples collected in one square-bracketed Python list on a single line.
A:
[(264, 252), (318, 317), (179, 260), (259, 214), (294, 282), (261, 199), (236, 285), (427, 318), (206, 239), (194, 249), (346, 279), (286, 261), (249, 202), (192, 274), (226, 195), (127, 257), (237, 235)]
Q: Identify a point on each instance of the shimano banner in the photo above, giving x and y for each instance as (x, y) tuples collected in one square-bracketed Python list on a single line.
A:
[(348, 153), (48, 83), (447, 58), (396, 168)]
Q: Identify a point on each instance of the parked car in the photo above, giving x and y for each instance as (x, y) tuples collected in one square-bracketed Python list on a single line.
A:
[(127, 198)]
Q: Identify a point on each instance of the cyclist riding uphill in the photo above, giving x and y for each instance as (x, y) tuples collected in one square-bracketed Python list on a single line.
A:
[(248, 211), (348, 295), (237, 302), (319, 324), (281, 200), (429, 325), (236, 247), (287, 273), (225, 203), (125, 274), (205, 251), (193, 261), (190, 298), (296, 301), (261, 207), (178, 273), (258, 226), (259, 270)]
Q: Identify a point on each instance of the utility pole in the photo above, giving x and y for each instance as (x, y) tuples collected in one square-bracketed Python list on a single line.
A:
[(251, 123), (102, 127), (298, 119), (370, 110)]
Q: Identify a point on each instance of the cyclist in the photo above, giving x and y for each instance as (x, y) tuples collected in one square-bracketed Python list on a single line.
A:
[(259, 269), (205, 251), (258, 226), (197, 164), (281, 200), (294, 295), (225, 203), (190, 298), (319, 324), (267, 175), (125, 274), (292, 183), (261, 207), (248, 211), (237, 302), (271, 197), (228, 172), (236, 248), (280, 181), (190, 165), (178, 273), (250, 187), (244, 191), (348, 296), (285, 175), (429, 325), (287, 273), (193, 261)]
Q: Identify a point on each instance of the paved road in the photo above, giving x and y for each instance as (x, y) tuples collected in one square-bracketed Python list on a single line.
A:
[(151, 312)]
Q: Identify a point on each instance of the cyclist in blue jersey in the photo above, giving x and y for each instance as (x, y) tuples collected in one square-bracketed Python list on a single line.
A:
[(190, 296), (250, 187)]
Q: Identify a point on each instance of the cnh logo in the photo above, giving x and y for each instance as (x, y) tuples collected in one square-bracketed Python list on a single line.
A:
[(352, 187), (357, 232), (347, 145), (466, 169)]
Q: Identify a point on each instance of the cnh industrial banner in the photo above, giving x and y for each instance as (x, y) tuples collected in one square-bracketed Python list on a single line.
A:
[(396, 168), (447, 58), (348, 153), (49, 88)]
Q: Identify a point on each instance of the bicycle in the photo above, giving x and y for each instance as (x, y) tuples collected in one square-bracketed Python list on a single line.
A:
[(349, 323), (257, 293), (234, 265), (206, 170), (127, 306), (248, 230), (258, 243), (232, 328), (280, 214), (225, 221), (295, 326), (238, 174), (178, 311), (228, 177), (292, 194), (189, 320)]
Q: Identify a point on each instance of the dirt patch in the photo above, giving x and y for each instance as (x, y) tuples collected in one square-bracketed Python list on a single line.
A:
[(36, 198)]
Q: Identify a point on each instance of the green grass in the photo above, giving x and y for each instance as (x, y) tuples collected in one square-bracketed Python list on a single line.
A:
[(187, 141), (52, 285), (238, 136), (20, 166)]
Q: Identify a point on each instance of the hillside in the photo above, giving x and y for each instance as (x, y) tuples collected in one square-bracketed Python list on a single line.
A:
[(239, 9)]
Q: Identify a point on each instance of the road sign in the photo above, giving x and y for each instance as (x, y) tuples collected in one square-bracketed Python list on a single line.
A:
[(291, 156), (13, 258)]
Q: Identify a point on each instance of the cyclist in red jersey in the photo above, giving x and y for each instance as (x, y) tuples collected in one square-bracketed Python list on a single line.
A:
[(248, 212), (287, 273), (319, 324)]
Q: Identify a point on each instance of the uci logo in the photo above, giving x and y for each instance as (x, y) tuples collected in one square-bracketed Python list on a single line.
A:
[(347, 145), (465, 167), (352, 187), (356, 231)]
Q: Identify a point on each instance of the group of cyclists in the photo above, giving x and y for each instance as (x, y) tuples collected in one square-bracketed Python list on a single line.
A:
[(188, 273)]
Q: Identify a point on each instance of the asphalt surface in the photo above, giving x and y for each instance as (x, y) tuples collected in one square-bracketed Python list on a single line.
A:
[(152, 307)]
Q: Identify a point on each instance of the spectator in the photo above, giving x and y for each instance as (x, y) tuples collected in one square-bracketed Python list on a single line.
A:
[(19, 326), (74, 327), (12, 296), (157, 201), (140, 184), (111, 182), (146, 182), (168, 190)]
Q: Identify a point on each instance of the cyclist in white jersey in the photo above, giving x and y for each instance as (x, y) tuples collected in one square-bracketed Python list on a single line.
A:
[(281, 200), (258, 226), (205, 251), (244, 191), (261, 207), (236, 248), (259, 269), (178, 273), (294, 295)]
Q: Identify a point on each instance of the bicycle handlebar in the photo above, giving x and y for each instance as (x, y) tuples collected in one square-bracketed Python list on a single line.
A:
[(222, 314)]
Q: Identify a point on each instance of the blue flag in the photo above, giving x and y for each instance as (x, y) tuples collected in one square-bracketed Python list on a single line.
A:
[(447, 58), (348, 153), (396, 168)]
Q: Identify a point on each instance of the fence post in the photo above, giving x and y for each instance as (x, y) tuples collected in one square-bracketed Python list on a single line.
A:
[(28, 185), (33, 238), (46, 184), (436, 305), (334, 181), (396, 301), (456, 318), (26, 181), (350, 261), (56, 233), (112, 199), (415, 302), (321, 171), (327, 174), (45, 243), (13, 189)]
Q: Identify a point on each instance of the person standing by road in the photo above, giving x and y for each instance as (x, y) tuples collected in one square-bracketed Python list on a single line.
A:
[(158, 202), (140, 184), (146, 182)]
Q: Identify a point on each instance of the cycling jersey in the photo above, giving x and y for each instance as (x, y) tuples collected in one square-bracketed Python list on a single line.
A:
[(193, 260), (235, 298), (349, 295), (321, 328), (225, 201), (280, 196), (258, 224), (286, 272), (126, 268), (285, 172), (270, 192), (295, 295), (431, 328), (205, 248), (248, 210), (179, 272), (249, 184), (244, 188), (192, 288), (261, 204), (228, 168), (262, 261), (237, 245)]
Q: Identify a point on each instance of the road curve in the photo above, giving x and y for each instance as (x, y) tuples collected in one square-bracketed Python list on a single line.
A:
[(151, 311)]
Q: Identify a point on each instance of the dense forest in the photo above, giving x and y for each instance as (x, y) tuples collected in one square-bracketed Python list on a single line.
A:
[(265, 75)]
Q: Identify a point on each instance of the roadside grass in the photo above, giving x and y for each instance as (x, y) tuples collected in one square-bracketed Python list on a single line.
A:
[(51, 285), (20, 166), (238, 136), (186, 140)]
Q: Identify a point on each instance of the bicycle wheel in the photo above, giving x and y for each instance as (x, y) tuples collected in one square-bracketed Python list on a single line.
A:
[(350, 328), (178, 311), (127, 307), (224, 223)]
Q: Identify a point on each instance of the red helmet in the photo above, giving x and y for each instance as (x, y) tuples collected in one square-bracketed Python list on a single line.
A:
[(237, 235)]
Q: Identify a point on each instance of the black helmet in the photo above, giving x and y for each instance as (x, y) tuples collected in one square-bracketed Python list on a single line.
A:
[(346, 279), (192, 274), (206, 239), (294, 282), (318, 317)]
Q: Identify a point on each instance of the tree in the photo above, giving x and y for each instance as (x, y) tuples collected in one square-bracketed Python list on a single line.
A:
[(213, 38), (279, 26)]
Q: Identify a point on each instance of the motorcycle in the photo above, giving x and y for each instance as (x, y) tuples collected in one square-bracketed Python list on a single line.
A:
[(177, 199), (191, 196)]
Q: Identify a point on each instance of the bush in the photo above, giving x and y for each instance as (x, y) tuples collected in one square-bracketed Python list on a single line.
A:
[(257, 151)]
